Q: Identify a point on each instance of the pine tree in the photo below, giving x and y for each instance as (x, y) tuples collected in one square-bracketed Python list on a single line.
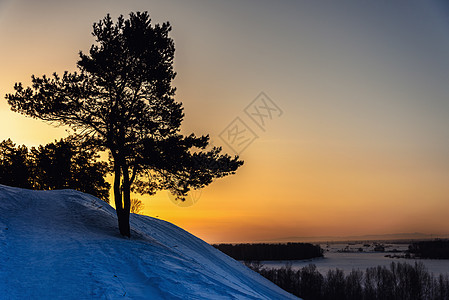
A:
[(122, 100), (14, 165), (66, 165)]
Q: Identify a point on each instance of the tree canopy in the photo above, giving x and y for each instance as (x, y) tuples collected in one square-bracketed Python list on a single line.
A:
[(122, 100), (15, 165), (64, 164), (58, 165)]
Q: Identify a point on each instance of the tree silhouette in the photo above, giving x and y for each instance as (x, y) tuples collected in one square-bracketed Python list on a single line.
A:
[(122, 100), (58, 165), (14, 165), (64, 164), (136, 206), (52, 166)]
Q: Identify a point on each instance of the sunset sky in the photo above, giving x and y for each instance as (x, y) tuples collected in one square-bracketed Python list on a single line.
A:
[(361, 145)]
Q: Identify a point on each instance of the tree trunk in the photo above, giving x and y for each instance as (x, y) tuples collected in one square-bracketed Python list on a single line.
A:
[(126, 191), (121, 208), (123, 222)]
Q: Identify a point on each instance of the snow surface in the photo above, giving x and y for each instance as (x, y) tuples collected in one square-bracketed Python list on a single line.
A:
[(65, 245)]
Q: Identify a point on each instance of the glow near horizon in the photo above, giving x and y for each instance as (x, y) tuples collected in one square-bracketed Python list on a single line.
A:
[(361, 147)]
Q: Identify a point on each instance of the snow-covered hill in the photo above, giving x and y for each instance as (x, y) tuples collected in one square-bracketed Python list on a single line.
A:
[(65, 245)]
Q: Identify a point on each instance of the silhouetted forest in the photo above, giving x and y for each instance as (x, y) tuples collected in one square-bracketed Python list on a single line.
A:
[(399, 281), (58, 165), (438, 249), (288, 251)]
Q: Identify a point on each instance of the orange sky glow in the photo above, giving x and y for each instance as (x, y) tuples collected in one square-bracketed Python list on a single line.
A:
[(361, 146)]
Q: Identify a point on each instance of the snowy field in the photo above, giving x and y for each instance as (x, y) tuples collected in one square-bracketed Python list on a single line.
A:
[(346, 261), (65, 245)]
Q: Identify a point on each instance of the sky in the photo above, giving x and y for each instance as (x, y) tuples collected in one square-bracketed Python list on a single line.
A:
[(354, 98)]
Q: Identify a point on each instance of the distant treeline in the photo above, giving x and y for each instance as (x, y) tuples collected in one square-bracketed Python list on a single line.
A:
[(399, 281), (438, 249), (288, 251)]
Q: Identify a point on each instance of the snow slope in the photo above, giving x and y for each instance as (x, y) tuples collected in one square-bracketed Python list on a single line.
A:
[(65, 245)]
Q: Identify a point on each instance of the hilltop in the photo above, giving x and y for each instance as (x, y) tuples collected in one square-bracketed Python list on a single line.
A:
[(65, 244)]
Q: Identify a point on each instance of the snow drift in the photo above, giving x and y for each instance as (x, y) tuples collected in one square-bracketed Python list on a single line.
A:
[(65, 244)]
